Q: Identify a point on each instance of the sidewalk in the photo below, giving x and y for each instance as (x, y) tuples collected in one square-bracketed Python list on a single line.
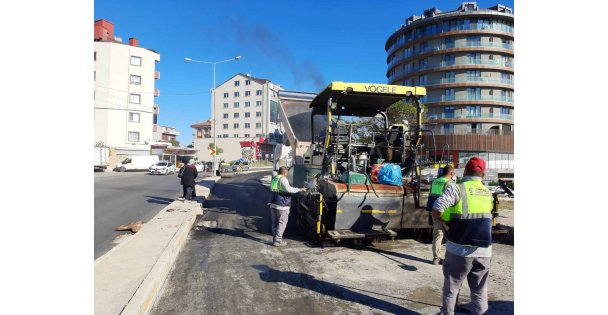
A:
[(128, 277)]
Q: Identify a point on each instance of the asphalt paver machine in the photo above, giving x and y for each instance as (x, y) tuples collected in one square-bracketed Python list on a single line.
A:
[(335, 159)]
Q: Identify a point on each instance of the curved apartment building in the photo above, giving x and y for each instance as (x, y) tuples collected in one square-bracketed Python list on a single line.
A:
[(464, 58)]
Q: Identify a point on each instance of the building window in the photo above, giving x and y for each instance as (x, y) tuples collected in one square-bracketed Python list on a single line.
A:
[(225, 135), (258, 103), (136, 61), (421, 80), (448, 94), (505, 111), (449, 42), (226, 95), (246, 135), (247, 125), (247, 82), (133, 136), (225, 105), (199, 133), (448, 128), (237, 83), (247, 104), (236, 115), (94, 56), (247, 93), (473, 40), (225, 126), (134, 98), (258, 125), (422, 63), (448, 112), (473, 73), (448, 59), (247, 114), (258, 92), (236, 104), (258, 114), (474, 58), (448, 76), (473, 111), (134, 117), (135, 79), (236, 94), (94, 75), (236, 135), (474, 93), (235, 126), (225, 115)]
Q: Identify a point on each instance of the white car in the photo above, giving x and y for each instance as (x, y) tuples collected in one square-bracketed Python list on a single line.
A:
[(162, 167), (199, 166)]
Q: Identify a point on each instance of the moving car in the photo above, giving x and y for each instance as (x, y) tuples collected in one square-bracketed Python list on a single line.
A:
[(235, 166), (162, 167)]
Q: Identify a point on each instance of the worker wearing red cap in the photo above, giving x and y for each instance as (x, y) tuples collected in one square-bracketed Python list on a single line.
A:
[(466, 207)]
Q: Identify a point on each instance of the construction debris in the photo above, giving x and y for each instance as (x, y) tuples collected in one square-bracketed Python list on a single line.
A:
[(133, 226)]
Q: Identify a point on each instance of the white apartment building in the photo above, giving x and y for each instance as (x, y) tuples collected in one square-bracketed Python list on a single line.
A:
[(247, 111), (124, 76)]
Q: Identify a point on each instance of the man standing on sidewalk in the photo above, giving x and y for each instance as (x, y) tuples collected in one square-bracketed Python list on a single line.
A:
[(439, 227), (469, 249), (280, 204)]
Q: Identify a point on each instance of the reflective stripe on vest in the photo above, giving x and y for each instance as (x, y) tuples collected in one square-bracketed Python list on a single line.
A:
[(438, 186)]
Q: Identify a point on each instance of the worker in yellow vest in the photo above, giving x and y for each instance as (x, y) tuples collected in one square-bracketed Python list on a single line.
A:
[(439, 227), (469, 248)]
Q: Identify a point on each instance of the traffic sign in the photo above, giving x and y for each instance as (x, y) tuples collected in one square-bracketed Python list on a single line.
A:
[(211, 152)]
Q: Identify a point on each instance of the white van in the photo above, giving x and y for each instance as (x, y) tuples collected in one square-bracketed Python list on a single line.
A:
[(137, 163)]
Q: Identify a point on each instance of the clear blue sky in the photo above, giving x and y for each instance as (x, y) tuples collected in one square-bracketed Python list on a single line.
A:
[(301, 45)]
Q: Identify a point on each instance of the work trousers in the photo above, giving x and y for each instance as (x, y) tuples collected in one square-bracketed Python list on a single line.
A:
[(438, 233), (475, 270), (279, 223), (189, 192)]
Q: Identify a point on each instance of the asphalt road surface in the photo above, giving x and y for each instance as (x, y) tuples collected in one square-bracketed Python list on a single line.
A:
[(228, 267), (121, 198)]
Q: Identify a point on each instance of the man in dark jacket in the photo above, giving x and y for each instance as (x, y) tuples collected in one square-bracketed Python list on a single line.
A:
[(188, 175)]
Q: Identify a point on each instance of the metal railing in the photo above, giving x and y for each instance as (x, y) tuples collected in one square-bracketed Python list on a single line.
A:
[(470, 79), (464, 116), (467, 44), (402, 39), (415, 67), (444, 98)]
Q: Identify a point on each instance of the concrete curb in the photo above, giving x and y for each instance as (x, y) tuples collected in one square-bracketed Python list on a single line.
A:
[(120, 289)]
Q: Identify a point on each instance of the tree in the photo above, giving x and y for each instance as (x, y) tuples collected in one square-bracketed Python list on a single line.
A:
[(174, 143), (402, 110)]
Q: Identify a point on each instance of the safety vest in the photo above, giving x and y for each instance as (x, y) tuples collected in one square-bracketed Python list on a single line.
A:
[(279, 195), (471, 218), (438, 185), (275, 184), (437, 188)]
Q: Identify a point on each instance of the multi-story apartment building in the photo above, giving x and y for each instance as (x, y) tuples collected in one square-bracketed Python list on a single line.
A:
[(246, 112), (125, 76), (164, 133), (464, 58)]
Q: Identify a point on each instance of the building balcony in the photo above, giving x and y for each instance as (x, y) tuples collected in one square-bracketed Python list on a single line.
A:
[(476, 81), (156, 92), (458, 117), (473, 28), (468, 46), (472, 99), (170, 132), (415, 69), (156, 75)]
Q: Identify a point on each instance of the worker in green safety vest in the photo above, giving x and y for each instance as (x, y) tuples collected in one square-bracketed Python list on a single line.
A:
[(280, 204), (439, 227), (467, 208)]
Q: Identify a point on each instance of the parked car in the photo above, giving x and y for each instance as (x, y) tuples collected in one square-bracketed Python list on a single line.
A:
[(235, 166), (163, 167), (137, 163), (200, 167)]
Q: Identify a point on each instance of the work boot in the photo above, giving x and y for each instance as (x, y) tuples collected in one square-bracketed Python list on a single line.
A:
[(279, 243)]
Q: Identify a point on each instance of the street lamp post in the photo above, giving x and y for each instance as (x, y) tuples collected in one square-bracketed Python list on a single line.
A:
[(213, 100)]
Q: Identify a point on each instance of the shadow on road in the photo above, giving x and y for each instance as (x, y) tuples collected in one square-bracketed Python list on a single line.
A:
[(395, 254), (236, 233), (159, 200), (309, 282)]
